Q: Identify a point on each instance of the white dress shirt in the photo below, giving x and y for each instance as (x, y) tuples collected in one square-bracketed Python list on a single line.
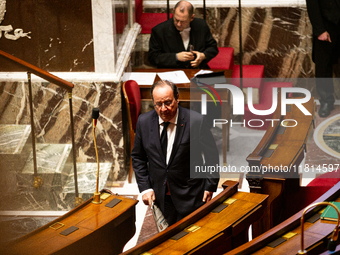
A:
[(186, 37), (171, 138)]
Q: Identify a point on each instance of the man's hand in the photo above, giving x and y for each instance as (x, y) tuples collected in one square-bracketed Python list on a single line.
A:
[(147, 197), (185, 56), (207, 196), (324, 37), (199, 58)]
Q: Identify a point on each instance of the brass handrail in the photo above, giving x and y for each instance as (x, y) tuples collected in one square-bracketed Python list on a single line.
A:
[(39, 72), (61, 83)]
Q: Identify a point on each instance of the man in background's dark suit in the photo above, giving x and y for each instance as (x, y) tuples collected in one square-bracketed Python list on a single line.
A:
[(166, 179), (173, 46), (325, 18)]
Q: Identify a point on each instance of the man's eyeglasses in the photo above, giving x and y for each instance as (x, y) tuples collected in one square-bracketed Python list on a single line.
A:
[(166, 104)]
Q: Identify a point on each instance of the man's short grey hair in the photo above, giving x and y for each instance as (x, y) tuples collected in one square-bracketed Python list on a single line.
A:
[(165, 83)]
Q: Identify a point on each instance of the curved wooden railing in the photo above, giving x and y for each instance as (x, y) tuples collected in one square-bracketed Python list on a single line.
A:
[(59, 82), (230, 188), (274, 164), (259, 245), (38, 71), (256, 156)]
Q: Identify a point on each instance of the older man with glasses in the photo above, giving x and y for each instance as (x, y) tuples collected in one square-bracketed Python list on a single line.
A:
[(170, 141)]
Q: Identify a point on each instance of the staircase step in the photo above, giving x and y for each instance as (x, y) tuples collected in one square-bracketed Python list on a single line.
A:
[(54, 163), (15, 147), (13, 138), (87, 177), (252, 77), (224, 59), (266, 103)]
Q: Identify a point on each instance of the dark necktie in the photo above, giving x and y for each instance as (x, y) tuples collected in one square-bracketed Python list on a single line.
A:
[(164, 138)]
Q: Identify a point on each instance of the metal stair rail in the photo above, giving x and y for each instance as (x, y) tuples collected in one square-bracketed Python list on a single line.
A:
[(61, 83)]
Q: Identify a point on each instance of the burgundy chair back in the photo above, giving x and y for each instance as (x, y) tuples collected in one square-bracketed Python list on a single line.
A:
[(132, 92)]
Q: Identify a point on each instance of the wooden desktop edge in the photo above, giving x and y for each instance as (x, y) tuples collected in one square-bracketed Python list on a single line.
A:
[(188, 220), (292, 222), (71, 212)]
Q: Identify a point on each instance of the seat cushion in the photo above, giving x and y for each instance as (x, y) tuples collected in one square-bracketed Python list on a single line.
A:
[(224, 59)]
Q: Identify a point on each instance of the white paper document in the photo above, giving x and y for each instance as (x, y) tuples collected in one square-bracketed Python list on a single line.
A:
[(174, 76), (203, 72), (140, 77)]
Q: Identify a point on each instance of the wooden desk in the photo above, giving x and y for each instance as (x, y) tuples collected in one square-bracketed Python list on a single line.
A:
[(101, 230), (282, 148), (185, 95), (316, 233), (209, 230)]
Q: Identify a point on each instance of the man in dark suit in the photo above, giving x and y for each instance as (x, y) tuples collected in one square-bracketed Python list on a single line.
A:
[(182, 41), (167, 175), (325, 18)]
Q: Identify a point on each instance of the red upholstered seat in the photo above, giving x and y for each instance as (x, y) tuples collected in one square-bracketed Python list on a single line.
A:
[(148, 20), (248, 71), (327, 179), (317, 187), (298, 199), (224, 59), (132, 97), (252, 77)]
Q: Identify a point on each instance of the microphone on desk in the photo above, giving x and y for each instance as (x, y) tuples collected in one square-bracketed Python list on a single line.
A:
[(95, 115), (96, 196)]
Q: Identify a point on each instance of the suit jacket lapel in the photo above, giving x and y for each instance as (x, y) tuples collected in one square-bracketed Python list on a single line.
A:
[(192, 39), (175, 38), (181, 123), (154, 134)]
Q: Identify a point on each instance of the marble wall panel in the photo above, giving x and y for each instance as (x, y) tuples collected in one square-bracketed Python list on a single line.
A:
[(52, 118), (58, 33)]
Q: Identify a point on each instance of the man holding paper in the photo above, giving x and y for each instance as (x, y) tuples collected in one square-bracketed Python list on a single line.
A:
[(170, 142), (182, 41)]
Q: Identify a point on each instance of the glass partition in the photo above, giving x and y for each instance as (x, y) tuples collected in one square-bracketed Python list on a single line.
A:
[(37, 181), (34, 181), (33, 196), (123, 20)]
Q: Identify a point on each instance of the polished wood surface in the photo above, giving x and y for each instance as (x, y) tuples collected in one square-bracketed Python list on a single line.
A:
[(316, 234), (188, 93), (289, 148), (184, 88), (102, 230), (38, 71), (217, 232)]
